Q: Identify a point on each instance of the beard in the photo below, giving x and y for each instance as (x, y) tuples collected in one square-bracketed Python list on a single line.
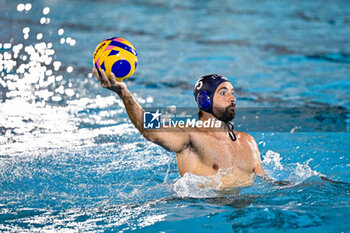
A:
[(225, 114)]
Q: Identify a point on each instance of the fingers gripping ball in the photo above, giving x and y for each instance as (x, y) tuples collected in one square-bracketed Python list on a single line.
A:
[(116, 55)]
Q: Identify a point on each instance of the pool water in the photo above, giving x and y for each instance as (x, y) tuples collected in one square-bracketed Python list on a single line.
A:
[(71, 161)]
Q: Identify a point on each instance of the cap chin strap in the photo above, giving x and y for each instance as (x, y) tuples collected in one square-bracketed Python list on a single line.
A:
[(230, 128)]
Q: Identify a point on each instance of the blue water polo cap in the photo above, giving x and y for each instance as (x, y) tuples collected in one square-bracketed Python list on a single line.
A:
[(204, 90)]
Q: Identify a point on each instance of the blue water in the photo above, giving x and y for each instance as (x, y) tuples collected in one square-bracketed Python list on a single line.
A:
[(70, 160)]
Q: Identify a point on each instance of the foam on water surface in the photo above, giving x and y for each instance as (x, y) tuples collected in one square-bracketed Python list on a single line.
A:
[(196, 186)]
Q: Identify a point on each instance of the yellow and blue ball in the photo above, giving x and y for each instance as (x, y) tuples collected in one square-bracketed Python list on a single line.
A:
[(116, 55)]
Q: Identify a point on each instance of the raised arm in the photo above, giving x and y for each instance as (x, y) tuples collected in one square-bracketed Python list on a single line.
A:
[(176, 140)]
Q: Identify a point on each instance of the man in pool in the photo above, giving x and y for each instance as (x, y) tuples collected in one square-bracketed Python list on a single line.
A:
[(230, 156)]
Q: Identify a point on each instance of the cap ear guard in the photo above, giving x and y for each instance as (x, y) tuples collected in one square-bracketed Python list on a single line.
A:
[(204, 90), (203, 100)]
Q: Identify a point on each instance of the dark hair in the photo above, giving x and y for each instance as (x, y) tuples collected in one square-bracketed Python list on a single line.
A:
[(200, 114)]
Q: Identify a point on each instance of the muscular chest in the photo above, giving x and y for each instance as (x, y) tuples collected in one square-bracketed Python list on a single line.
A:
[(225, 154)]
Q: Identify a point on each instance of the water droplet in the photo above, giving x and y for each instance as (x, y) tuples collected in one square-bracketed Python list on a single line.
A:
[(48, 61), (48, 72), (59, 78), (56, 65), (60, 31), (7, 45), (17, 48), (20, 7), (26, 30), (42, 20), (28, 6), (69, 69), (46, 10), (73, 42), (39, 36)]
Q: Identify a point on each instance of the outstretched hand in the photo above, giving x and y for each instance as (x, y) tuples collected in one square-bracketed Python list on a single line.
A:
[(111, 84)]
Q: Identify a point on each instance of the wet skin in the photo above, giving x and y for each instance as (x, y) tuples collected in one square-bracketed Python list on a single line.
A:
[(200, 151)]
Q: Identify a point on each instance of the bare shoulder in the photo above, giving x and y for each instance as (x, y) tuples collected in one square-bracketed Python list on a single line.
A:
[(248, 139), (244, 136)]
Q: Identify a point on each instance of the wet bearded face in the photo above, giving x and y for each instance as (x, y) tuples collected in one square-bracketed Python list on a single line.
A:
[(225, 114)]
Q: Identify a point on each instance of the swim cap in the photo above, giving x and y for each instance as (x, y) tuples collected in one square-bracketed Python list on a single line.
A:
[(204, 90)]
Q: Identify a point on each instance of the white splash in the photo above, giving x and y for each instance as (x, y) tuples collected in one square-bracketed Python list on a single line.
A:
[(196, 186), (292, 172), (151, 219)]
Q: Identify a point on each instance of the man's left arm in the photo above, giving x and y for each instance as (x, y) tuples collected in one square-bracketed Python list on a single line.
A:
[(258, 169)]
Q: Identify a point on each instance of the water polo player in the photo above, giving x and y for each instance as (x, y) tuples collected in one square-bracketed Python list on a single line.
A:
[(226, 155)]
